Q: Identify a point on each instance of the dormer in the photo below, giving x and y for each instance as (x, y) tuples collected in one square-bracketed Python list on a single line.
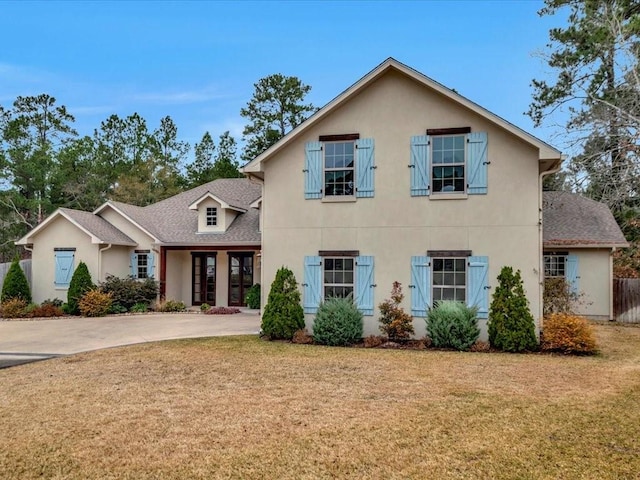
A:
[(214, 214)]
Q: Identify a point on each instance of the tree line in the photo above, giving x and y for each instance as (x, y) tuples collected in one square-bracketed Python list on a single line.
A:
[(45, 164)]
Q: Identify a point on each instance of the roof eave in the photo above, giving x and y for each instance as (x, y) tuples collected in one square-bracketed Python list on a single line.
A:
[(127, 217), (610, 245)]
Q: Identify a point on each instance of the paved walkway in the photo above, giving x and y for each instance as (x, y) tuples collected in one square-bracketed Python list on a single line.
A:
[(28, 341)]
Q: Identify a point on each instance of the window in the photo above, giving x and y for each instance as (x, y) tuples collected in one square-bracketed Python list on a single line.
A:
[(449, 279), (142, 265), (338, 277), (339, 168), (212, 216), (555, 265), (448, 164)]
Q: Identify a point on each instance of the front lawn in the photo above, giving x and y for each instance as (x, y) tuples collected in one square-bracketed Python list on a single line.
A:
[(245, 408)]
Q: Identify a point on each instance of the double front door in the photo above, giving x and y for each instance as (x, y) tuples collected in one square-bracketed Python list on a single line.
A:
[(204, 266)]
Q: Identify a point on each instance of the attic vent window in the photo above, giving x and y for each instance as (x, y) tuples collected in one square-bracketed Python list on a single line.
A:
[(212, 216)]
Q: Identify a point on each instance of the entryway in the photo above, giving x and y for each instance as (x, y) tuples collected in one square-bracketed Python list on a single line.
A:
[(204, 278), (240, 277)]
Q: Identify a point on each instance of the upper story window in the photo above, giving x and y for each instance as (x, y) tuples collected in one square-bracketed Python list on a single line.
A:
[(448, 165), (339, 166), (449, 279), (212, 216)]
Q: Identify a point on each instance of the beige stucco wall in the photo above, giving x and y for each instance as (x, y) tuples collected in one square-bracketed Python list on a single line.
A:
[(393, 226), (594, 282), (115, 261), (143, 240)]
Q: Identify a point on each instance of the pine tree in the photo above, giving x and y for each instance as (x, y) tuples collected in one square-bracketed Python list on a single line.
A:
[(80, 284), (283, 314), (15, 284)]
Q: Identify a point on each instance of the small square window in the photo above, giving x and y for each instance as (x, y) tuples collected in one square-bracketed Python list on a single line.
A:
[(212, 216), (555, 266)]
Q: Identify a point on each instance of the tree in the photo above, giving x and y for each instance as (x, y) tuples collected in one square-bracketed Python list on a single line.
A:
[(277, 106), (201, 170), (15, 284), (283, 314), (80, 284), (597, 91), (226, 164)]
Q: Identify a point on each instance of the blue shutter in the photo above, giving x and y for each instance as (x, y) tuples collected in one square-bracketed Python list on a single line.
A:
[(151, 266), (313, 170), (419, 166), (572, 273), (420, 285), (312, 294), (133, 266), (477, 163), (365, 167), (478, 288), (64, 267), (364, 284)]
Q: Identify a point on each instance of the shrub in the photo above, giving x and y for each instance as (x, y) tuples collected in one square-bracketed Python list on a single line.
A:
[(511, 326), (558, 297), (253, 296), (56, 302), (302, 337), (451, 324), (373, 341), (15, 284), (95, 303), (128, 291), (14, 308), (222, 311), (283, 314), (396, 323), (337, 323), (204, 307), (480, 347), (140, 307), (568, 333), (170, 306), (117, 308), (80, 284), (47, 310)]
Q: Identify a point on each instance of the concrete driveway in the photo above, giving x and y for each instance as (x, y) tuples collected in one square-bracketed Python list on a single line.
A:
[(28, 341)]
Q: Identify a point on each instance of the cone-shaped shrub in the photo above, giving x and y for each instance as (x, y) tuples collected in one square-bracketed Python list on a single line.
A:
[(80, 284), (511, 326), (283, 314), (15, 284)]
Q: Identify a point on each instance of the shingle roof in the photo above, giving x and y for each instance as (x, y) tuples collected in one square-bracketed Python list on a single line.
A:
[(570, 219), (171, 221), (98, 227)]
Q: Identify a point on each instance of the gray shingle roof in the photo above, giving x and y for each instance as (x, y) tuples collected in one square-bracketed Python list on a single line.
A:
[(570, 219), (171, 221), (98, 227)]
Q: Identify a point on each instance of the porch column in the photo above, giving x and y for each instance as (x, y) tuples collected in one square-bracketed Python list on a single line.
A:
[(163, 272)]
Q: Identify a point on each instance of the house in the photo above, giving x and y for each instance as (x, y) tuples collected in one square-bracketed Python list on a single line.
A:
[(399, 178), (203, 245), (579, 238)]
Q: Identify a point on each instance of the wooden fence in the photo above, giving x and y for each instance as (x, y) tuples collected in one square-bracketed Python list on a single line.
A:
[(26, 268), (626, 300)]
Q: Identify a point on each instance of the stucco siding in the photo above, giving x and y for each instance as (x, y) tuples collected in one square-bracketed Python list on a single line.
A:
[(115, 261), (143, 240), (594, 282)]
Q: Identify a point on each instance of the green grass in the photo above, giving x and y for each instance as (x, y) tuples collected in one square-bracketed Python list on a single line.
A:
[(244, 408)]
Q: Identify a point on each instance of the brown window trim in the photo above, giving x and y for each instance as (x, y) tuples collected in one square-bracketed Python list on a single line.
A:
[(339, 253), (64, 249), (142, 251), (556, 253), (448, 131), (339, 138), (448, 253)]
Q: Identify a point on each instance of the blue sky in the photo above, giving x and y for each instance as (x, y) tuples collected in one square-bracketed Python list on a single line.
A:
[(197, 61)]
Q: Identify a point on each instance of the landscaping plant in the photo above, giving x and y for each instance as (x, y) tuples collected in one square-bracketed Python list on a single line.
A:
[(511, 325), (14, 308), (169, 306), (15, 284), (396, 323), (253, 296), (95, 303), (558, 296), (567, 333), (126, 292), (222, 310), (80, 284), (452, 324), (283, 314), (338, 322)]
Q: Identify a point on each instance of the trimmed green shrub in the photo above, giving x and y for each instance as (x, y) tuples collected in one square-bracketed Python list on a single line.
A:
[(169, 306), (15, 284), (283, 314), (452, 324), (80, 284), (126, 292), (204, 307), (511, 325), (337, 323), (396, 323), (94, 303), (253, 296)]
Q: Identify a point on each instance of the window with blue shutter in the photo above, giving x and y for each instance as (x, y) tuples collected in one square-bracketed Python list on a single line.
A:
[(64, 265), (364, 288), (150, 265), (572, 273), (313, 170), (419, 166), (420, 285), (312, 286), (133, 265), (478, 289), (477, 163), (365, 167)]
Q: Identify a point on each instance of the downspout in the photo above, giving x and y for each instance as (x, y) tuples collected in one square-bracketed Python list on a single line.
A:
[(100, 260), (611, 312), (554, 169)]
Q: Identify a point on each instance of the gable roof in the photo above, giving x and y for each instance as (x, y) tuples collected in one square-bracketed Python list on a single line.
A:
[(571, 220), (546, 151), (170, 221), (223, 204), (100, 231)]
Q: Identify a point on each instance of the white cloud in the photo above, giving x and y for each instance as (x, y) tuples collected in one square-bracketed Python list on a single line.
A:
[(205, 94)]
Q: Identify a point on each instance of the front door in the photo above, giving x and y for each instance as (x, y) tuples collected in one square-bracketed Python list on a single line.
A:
[(240, 278), (204, 279)]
